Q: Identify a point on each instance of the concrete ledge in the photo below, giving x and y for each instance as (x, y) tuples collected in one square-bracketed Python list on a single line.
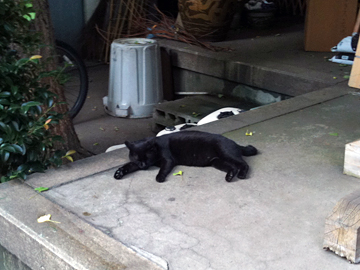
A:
[(70, 244), (276, 109), (277, 77)]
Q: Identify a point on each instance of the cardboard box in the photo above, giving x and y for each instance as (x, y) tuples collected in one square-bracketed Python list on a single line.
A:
[(328, 22)]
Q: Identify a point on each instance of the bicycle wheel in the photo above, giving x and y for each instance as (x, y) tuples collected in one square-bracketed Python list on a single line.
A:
[(76, 82)]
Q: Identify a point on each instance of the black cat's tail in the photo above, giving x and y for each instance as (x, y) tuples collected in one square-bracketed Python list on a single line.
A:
[(248, 150)]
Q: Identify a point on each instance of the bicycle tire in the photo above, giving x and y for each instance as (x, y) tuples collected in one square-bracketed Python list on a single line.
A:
[(76, 87)]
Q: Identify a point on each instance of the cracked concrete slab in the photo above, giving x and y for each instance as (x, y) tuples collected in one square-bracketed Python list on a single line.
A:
[(271, 220)]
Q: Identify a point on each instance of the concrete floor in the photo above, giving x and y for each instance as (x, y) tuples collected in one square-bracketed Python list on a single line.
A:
[(272, 220)]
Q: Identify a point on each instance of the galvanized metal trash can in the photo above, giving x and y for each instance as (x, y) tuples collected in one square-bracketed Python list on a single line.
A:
[(135, 83)]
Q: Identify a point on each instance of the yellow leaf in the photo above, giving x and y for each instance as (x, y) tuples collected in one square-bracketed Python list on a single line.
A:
[(46, 218), (70, 152), (69, 158), (46, 127), (35, 57), (178, 173), (248, 133)]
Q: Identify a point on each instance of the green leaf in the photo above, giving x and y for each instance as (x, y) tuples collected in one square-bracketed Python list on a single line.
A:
[(15, 125), (22, 168), (4, 179), (5, 94), (41, 189), (5, 156), (50, 102), (18, 148), (178, 173), (26, 106), (333, 134), (4, 102), (22, 61), (14, 89), (8, 148)]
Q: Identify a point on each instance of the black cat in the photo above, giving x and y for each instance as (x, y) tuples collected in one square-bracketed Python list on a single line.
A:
[(189, 148)]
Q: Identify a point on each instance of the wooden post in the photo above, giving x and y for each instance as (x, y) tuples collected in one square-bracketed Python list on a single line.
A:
[(352, 159), (342, 228), (354, 80)]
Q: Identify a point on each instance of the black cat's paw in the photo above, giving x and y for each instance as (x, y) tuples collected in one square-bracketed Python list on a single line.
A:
[(119, 173), (160, 179), (242, 173), (229, 176)]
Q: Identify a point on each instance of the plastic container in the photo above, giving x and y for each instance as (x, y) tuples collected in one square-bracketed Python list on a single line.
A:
[(135, 83)]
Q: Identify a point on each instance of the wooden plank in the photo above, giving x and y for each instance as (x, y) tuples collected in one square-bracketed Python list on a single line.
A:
[(352, 159), (342, 228), (354, 80)]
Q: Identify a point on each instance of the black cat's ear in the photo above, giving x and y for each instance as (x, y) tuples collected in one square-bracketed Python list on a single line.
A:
[(128, 144)]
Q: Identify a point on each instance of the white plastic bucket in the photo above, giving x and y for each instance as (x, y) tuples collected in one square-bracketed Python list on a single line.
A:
[(135, 83)]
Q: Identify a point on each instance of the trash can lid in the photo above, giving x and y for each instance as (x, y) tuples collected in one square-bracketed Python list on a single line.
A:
[(134, 41)]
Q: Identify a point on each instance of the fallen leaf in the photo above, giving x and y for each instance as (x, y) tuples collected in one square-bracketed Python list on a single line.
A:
[(70, 158), (102, 129), (35, 57), (70, 152), (96, 144), (178, 173), (333, 134), (46, 218), (41, 189), (347, 77), (248, 133)]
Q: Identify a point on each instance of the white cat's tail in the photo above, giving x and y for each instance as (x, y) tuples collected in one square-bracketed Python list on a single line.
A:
[(248, 150)]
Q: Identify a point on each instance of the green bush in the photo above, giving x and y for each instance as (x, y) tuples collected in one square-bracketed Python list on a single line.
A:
[(26, 104)]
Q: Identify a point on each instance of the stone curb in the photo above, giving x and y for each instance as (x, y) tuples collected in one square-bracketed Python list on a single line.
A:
[(69, 244)]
